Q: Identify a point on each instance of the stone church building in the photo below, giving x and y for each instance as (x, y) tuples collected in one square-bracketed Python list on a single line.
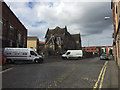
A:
[(59, 40)]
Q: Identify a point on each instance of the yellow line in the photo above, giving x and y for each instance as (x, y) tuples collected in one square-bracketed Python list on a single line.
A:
[(101, 82), (6, 70), (96, 84)]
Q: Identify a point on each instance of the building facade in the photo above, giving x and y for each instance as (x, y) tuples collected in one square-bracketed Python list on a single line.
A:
[(91, 49), (99, 49), (33, 42), (41, 47), (115, 5), (14, 33), (59, 40)]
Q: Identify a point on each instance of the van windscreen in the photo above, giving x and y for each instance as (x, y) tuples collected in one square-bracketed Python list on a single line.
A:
[(67, 53), (33, 53)]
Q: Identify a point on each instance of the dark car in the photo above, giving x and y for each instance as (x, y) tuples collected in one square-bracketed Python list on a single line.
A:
[(104, 56)]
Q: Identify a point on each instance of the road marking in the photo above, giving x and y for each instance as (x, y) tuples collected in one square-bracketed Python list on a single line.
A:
[(96, 84), (101, 82), (6, 70)]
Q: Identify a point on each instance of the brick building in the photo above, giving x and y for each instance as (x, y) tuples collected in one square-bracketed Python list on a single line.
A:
[(98, 49), (91, 49), (59, 40), (33, 42), (41, 47), (115, 6), (14, 34)]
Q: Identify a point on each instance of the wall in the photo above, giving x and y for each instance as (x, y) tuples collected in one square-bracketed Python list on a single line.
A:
[(90, 49), (116, 21), (19, 32), (32, 43)]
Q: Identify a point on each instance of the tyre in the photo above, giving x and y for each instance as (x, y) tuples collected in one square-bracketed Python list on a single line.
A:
[(9, 61), (36, 61), (79, 58), (64, 58), (67, 58)]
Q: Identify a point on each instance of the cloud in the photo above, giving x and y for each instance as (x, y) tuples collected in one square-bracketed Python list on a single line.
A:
[(86, 18)]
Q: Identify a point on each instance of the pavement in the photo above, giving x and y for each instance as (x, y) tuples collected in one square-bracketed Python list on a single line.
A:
[(112, 76)]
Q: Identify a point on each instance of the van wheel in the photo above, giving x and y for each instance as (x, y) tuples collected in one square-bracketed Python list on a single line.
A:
[(67, 58), (64, 58), (79, 57), (9, 61), (36, 61)]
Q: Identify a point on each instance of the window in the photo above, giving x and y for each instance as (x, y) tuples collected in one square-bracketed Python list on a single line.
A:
[(1, 21), (24, 41), (8, 53), (68, 53), (1, 24), (21, 40), (33, 53), (11, 32), (24, 53), (19, 37), (59, 41)]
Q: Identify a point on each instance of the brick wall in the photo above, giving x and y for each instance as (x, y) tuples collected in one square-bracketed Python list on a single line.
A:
[(19, 38)]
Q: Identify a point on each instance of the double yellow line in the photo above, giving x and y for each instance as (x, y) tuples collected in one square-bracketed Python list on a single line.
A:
[(6, 70), (101, 77)]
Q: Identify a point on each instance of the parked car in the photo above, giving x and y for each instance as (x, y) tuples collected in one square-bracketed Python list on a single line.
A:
[(104, 57), (21, 54), (70, 54)]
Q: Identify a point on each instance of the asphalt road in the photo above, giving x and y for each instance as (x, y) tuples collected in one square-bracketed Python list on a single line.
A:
[(54, 73)]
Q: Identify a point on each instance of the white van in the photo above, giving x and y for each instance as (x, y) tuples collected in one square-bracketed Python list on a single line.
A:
[(73, 54), (21, 54)]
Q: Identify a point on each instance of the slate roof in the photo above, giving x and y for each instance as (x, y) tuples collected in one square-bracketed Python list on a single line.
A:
[(32, 38), (57, 30)]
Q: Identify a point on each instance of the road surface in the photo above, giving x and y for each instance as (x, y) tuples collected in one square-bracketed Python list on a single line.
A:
[(54, 73)]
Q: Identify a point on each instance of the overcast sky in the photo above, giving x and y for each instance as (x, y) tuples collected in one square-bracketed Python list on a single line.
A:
[(86, 18)]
